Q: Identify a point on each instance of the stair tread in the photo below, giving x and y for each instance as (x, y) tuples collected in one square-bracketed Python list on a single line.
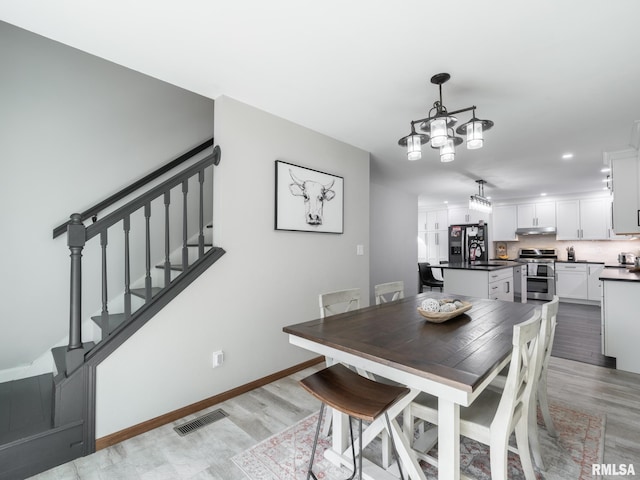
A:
[(113, 321), (142, 292), (173, 266)]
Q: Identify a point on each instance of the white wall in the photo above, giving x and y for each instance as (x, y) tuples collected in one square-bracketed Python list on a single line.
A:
[(266, 280), (74, 129), (394, 234)]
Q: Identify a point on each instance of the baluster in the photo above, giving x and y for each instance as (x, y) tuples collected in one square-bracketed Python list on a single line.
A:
[(105, 308), (167, 263), (76, 239), (201, 225), (185, 250), (147, 278), (126, 223)]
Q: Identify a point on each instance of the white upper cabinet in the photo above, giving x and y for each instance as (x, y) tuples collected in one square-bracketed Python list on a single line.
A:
[(584, 219), (537, 215), (437, 220), (504, 221), (625, 175), (462, 215)]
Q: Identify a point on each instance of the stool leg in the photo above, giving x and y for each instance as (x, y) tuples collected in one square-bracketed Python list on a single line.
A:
[(315, 444), (393, 445)]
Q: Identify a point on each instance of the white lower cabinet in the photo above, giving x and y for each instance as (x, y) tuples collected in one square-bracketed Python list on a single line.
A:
[(620, 326), (496, 284), (594, 284), (572, 281), (579, 282)]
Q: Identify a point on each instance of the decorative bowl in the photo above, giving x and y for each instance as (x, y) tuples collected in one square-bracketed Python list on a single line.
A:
[(439, 317)]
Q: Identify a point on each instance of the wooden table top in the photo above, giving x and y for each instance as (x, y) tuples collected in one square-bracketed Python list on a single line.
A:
[(460, 352)]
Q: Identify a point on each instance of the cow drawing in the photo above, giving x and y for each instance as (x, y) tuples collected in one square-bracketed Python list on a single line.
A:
[(314, 194)]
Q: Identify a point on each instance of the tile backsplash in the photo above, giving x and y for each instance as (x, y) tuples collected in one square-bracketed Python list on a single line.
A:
[(591, 250)]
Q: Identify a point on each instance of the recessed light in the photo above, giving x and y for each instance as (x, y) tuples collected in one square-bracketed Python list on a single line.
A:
[(543, 194), (605, 170), (446, 201), (567, 156)]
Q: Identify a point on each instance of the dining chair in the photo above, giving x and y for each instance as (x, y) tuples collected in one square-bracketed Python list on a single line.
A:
[(355, 396), (394, 289), (427, 278), (339, 302), (549, 317), (493, 416)]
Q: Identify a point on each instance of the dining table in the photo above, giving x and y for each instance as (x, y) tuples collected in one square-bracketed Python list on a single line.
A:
[(454, 360)]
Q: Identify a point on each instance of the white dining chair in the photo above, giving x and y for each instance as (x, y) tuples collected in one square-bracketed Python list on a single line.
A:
[(549, 317), (493, 416), (333, 303), (340, 301), (388, 292)]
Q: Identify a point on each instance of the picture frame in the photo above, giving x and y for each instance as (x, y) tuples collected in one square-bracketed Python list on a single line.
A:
[(308, 200)]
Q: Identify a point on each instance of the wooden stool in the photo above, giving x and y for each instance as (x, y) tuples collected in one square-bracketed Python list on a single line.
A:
[(353, 395)]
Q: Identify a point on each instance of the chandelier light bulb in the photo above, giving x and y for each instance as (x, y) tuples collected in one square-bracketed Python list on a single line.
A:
[(438, 132), (448, 151), (474, 135), (414, 148)]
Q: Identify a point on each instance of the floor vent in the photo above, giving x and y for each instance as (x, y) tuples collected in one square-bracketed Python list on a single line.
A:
[(204, 420)]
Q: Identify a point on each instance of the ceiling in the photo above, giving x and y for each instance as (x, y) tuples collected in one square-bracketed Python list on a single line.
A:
[(555, 77)]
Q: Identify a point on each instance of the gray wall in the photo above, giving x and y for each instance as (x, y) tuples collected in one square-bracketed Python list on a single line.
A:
[(74, 129), (394, 234), (266, 280)]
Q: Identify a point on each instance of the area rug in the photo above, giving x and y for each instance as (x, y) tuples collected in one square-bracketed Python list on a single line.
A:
[(580, 443)]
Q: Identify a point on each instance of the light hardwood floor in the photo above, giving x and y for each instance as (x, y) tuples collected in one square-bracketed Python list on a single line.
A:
[(256, 415)]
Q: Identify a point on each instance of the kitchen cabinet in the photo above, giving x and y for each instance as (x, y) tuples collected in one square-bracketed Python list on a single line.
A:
[(433, 236), (437, 220), (504, 222), (625, 180), (620, 326), (594, 284), (537, 215), (437, 246), (462, 215), (572, 280), (584, 219), (495, 284)]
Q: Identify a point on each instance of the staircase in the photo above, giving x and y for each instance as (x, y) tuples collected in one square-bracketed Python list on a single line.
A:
[(50, 419)]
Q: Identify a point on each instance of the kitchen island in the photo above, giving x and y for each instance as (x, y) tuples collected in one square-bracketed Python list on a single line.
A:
[(488, 279), (619, 314)]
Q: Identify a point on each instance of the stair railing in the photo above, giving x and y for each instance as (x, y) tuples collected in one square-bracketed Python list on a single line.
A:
[(78, 235)]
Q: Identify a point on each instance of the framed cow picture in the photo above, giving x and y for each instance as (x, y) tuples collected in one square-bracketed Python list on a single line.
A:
[(308, 200)]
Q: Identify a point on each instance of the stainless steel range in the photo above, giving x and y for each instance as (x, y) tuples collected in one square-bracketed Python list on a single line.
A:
[(540, 276)]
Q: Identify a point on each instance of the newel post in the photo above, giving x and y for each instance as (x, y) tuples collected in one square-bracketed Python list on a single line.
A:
[(76, 239)]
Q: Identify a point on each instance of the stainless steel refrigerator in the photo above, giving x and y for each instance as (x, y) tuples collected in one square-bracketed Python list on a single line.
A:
[(468, 243)]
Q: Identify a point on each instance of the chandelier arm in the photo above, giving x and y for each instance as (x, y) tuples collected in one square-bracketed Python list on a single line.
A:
[(462, 110)]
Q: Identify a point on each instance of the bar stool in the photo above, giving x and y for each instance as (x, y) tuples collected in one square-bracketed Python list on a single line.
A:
[(353, 395)]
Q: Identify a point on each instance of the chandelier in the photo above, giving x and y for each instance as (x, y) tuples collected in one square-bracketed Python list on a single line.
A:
[(438, 127), (479, 202)]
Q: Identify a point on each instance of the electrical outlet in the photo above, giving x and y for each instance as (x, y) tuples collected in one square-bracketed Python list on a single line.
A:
[(218, 358)]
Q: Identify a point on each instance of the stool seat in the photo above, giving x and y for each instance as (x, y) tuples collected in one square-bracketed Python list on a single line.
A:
[(356, 396), (352, 394)]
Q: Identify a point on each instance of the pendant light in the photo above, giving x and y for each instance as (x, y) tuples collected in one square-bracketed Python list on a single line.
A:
[(414, 142), (439, 125), (479, 202)]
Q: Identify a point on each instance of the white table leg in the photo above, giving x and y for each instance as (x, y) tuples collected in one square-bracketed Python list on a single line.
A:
[(448, 440)]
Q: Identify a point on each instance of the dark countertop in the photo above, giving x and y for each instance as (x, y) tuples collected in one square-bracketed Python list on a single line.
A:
[(620, 275), (617, 265), (489, 266)]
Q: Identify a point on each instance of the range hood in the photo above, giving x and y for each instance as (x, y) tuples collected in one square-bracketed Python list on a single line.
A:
[(536, 231)]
